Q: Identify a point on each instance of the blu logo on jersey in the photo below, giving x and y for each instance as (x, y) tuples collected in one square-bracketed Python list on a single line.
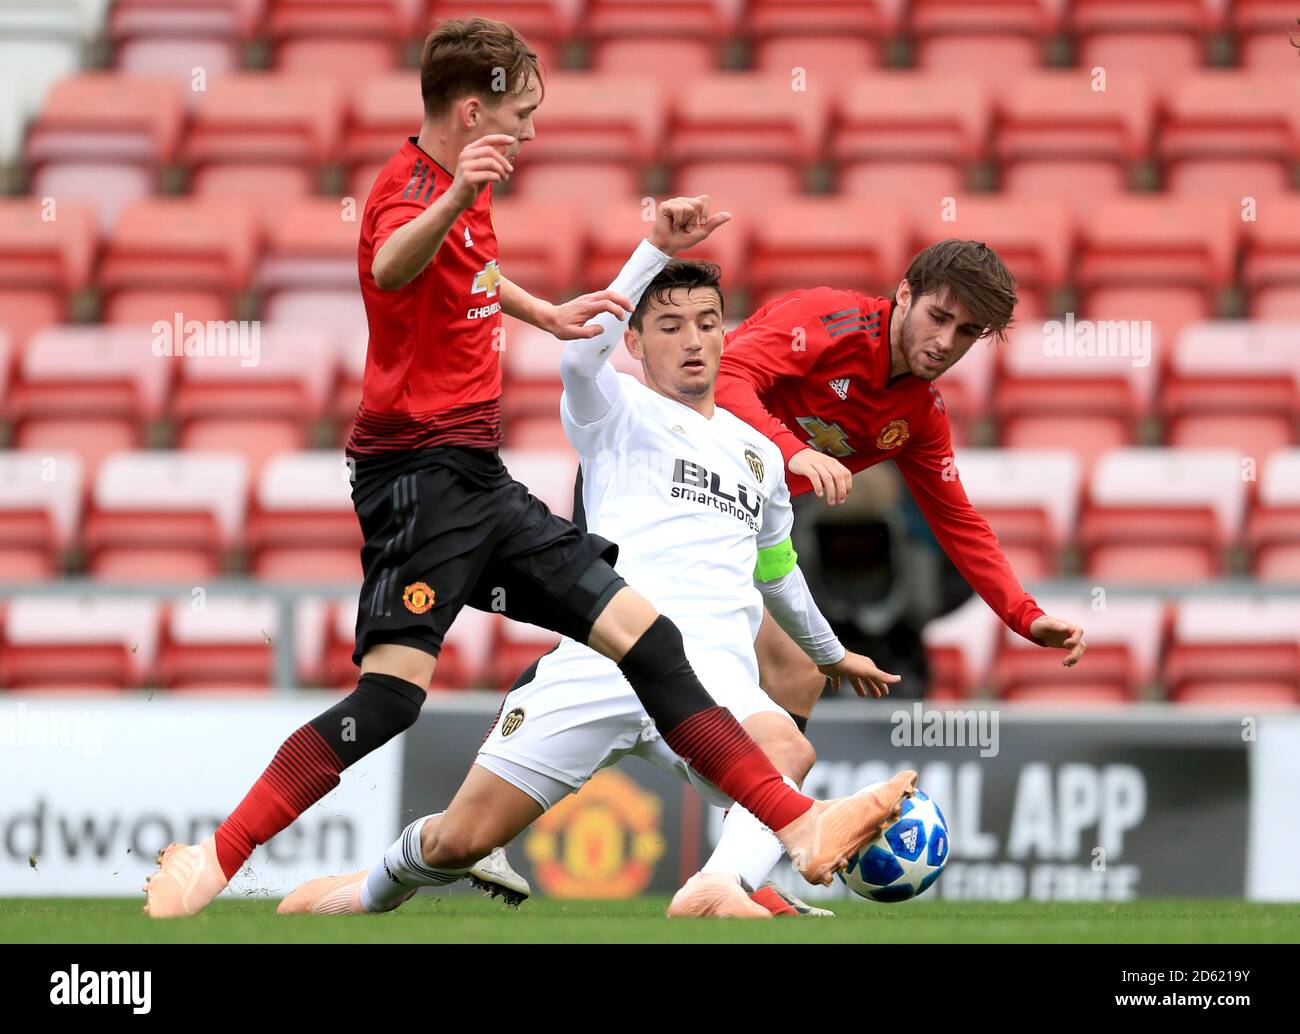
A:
[(688, 475)]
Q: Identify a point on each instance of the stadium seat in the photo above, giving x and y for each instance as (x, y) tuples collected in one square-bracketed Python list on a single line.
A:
[(40, 43), (1231, 134), (263, 137), (303, 527), (166, 38), (1271, 265), (615, 228), (531, 361), (1073, 696), (383, 111), (1273, 530), (102, 139), (908, 133), (531, 433), (673, 40), (988, 38), (352, 370), (40, 510), (1261, 28), (1124, 636), (1162, 259), (337, 38), (839, 242), (967, 388), (164, 516), (746, 137), (594, 134), (515, 646), (1033, 236), (1059, 136), (166, 252), (959, 647), (826, 38), (220, 643), (1234, 384), (540, 243), (548, 475), (46, 254), (1030, 497), (1141, 34), (1162, 515), (1244, 646), (308, 274), (78, 641)]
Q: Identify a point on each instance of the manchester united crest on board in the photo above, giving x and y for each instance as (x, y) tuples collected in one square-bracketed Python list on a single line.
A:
[(894, 434), (418, 598), (755, 462)]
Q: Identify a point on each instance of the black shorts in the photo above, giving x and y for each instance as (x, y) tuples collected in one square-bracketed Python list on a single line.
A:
[(446, 527)]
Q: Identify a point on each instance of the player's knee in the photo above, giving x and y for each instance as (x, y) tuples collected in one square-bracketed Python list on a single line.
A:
[(453, 846), (794, 755)]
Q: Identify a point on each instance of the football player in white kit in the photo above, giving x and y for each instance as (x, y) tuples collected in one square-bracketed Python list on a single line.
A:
[(697, 501)]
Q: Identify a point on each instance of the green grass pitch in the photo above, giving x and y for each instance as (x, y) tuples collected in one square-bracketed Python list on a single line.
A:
[(469, 919)]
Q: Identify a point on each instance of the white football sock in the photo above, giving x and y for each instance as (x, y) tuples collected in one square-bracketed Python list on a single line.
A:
[(747, 848), (400, 870)]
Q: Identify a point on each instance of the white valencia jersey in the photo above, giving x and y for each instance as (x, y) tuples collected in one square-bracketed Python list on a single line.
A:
[(690, 500)]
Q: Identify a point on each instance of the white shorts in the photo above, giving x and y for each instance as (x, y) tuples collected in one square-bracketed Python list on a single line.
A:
[(578, 714)]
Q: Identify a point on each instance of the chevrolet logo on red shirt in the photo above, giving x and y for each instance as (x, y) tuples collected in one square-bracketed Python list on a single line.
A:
[(486, 279), (826, 437)]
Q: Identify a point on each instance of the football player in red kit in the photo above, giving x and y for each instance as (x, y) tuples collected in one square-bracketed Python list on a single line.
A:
[(842, 381)]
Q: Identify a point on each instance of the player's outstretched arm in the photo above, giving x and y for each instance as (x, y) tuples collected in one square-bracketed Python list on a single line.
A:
[(1061, 635)]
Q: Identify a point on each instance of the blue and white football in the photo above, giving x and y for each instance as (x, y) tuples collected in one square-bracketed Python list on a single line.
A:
[(904, 858)]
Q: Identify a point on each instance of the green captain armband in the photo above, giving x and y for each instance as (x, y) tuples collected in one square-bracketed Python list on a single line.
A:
[(775, 561)]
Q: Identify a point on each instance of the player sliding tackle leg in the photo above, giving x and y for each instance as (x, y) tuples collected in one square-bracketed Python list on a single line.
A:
[(697, 501)]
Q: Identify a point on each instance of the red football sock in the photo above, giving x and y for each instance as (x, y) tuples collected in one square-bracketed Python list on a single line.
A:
[(304, 770), (720, 750)]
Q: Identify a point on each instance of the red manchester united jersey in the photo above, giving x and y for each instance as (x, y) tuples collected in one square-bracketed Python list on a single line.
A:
[(811, 370), (433, 370)]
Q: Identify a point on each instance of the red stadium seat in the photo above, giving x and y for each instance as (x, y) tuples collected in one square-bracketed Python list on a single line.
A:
[(78, 642), (263, 137), (748, 136), (1059, 136), (549, 475), (93, 439), (1235, 645), (1033, 236), (308, 275), (303, 526), (531, 361), (165, 516), (536, 433), (1162, 515), (343, 38), (515, 647), (1071, 696), (40, 510), (673, 40), (1159, 259), (594, 133), (383, 112), (1261, 28), (163, 37), (352, 369), (826, 38), (1133, 34), (1029, 497), (1271, 266), (988, 38), (224, 644), (1124, 635), (102, 139), (1231, 134), (1273, 531), (908, 133), (615, 228), (959, 647), (206, 247), (1234, 384), (540, 242), (46, 253), (833, 241)]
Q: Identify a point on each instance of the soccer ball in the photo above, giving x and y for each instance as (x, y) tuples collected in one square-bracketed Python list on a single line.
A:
[(904, 858)]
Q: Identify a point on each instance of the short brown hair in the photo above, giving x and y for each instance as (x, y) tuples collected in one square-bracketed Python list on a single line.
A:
[(687, 273), (976, 277), (479, 58)]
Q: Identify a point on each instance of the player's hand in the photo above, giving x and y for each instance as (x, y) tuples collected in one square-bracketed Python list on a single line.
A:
[(566, 321), (683, 222), (1060, 635), (862, 673), (830, 478), (483, 161)]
